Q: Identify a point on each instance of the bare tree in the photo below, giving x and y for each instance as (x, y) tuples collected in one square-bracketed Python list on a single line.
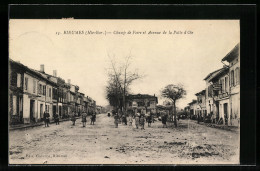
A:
[(174, 93), (121, 77)]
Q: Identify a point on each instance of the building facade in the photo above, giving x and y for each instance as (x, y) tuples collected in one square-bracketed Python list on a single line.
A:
[(142, 103)]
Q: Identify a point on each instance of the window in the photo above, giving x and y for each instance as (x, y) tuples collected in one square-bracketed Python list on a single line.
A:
[(49, 92), (34, 86), (226, 84), (148, 103), (130, 104), (26, 83), (44, 90), (39, 89), (140, 104), (232, 78), (237, 75), (18, 80), (14, 105)]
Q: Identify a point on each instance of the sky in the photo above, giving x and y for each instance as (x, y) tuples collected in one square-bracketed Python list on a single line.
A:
[(161, 58)]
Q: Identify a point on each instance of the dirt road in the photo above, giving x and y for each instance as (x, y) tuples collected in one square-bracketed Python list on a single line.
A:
[(102, 143)]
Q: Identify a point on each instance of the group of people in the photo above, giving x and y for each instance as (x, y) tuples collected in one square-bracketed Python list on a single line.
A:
[(84, 118), (139, 119), (46, 118)]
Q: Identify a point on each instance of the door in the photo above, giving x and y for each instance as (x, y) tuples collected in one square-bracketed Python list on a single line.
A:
[(54, 110), (226, 113), (60, 111), (31, 110), (41, 110)]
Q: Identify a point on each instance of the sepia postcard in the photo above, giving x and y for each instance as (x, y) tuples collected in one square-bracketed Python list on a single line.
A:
[(124, 92)]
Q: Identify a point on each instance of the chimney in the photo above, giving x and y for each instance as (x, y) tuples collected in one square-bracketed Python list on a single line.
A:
[(69, 81), (55, 73), (42, 68)]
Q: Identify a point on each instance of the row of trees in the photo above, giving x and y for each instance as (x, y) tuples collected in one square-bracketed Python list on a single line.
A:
[(121, 77)]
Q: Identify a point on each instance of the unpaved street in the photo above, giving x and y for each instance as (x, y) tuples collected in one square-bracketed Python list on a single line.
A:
[(102, 143)]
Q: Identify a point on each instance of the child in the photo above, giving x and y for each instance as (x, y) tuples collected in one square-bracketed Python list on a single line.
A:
[(130, 120), (84, 119), (56, 119), (73, 118), (137, 120), (142, 122)]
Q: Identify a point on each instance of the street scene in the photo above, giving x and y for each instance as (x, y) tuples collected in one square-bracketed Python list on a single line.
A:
[(102, 143), (133, 92)]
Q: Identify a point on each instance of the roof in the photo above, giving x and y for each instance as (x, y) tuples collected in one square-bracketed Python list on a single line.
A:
[(232, 54), (212, 73), (201, 92), (193, 101), (218, 74), (141, 96), (32, 71)]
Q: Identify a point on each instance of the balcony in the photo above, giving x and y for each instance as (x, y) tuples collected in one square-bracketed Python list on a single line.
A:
[(221, 96)]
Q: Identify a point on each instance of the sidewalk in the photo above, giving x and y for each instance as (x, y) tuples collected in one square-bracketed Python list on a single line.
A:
[(224, 127), (31, 125)]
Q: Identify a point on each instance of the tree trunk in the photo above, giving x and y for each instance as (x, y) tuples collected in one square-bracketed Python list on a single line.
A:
[(175, 114)]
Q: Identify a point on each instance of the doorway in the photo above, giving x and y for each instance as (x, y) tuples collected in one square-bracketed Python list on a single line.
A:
[(226, 113), (32, 103), (60, 111), (54, 110), (41, 110)]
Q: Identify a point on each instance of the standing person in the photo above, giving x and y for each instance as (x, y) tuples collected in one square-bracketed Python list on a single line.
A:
[(46, 117), (142, 121), (130, 119), (73, 118), (56, 119), (84, 118), (164, 119), (116, 120), (137, 120), (124, 119), (93, 118), (149, 120), (152, 116)]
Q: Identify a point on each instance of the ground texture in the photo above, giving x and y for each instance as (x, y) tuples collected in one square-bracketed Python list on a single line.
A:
[(102, 143)]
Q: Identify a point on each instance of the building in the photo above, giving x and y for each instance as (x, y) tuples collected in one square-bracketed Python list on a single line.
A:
[(233, 58), (201, 104), (220, 93), (30, 94), (211, 106), (193, 108), (141, 103)]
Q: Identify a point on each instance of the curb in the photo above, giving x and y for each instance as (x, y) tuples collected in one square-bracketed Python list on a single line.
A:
[(36, 125)]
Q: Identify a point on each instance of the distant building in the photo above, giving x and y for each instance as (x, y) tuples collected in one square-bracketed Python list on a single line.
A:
[(141, 103), (201, 104)]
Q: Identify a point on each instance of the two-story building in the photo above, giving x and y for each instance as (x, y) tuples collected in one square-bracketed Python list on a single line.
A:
[(141, 103), (233, 58), (220, 92), (201, 103)]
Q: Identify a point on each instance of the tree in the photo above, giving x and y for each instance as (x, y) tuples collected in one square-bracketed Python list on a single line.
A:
[(120, 79), (174, 93)]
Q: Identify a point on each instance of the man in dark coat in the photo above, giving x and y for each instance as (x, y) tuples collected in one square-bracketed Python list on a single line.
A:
[(56, 119), (46, 117), (93, 119)]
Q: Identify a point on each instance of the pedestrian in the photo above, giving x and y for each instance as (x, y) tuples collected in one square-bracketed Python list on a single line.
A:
[(56, 119), (137, 120), (130, 119), (149, 120), (124, 119), (46, 117), (93, 119), (142, 121), (84, 119), (116, 120), (73, 118), (164, 119), (152, 117)]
